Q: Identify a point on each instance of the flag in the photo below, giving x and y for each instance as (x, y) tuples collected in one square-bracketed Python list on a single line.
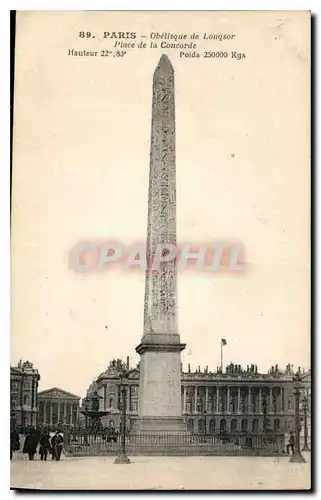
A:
[(223, 341)]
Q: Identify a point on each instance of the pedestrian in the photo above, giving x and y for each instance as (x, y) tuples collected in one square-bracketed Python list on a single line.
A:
[(56, 444), (291, 443), (30, 444), (45, 447), (14, 442)]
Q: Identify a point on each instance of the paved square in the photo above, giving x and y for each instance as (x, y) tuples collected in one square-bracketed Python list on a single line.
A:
[(201, 473)]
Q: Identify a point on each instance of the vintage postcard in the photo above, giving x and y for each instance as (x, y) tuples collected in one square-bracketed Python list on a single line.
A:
[(160, 251)]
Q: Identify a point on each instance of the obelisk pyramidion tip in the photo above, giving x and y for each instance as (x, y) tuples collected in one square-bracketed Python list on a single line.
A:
[(164, 63)]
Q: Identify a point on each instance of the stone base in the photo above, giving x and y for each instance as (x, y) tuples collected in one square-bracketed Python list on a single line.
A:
[(297, 458), (122, 459), (159, 424)]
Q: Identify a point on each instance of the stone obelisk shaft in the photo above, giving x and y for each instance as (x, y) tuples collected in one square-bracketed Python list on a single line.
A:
[(160, 315), (160, 347)]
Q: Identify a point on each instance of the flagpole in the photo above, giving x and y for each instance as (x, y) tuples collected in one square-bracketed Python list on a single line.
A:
[(221, 356)]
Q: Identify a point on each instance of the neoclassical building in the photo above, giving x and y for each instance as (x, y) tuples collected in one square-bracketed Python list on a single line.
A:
[(58, 407), (24, 380), (236, 399)]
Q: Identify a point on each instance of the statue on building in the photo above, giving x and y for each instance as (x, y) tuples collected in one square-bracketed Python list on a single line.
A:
[(27, 364)]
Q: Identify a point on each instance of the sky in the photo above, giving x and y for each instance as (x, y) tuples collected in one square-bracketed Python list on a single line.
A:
[(81, 165)]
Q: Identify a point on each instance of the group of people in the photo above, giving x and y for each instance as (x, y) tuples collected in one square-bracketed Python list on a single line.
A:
[(47, 445)]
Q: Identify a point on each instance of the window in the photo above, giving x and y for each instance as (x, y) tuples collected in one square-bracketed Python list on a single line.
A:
[(25, 399), (110, 402), (111, 423), (290, 407)]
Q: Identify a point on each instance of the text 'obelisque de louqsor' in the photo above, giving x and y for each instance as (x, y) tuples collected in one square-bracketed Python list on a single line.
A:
[(160, 406)]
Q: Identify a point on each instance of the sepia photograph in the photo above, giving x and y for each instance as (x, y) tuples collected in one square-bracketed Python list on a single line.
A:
[(160, 251)]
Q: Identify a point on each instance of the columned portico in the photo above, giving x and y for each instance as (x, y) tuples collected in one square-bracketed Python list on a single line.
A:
[(58, 407)]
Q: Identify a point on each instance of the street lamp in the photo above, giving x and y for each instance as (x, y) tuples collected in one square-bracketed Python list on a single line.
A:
[(264, 410), (85, 403), (305, 406), (297, 381), (122, 457)]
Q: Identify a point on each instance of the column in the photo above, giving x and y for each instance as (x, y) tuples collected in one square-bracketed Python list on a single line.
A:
[(228, 400), (282, 399), (260, 400), (64, 412), (184, 399), (32, 401), (217, 399), (45, 412), (50, 420), (118, 397), (206, 398), (105, 396), (249, 401), (239, 400), (195, 399), (271, 399)]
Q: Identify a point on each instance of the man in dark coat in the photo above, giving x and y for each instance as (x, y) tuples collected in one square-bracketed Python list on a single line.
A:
[(14, 442), (44, 445), (290, 444), (30, 444), (56, 443)]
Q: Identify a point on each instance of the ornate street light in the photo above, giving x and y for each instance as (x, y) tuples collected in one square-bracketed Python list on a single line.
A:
[(122, 457), (297, 381), (86, 407), (305, 407), (264, 410)]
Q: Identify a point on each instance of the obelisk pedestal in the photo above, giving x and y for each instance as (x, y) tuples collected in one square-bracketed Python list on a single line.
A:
[(160, 407)]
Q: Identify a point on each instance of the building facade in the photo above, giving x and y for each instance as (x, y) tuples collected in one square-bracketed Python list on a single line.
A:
[(24, 380), (58, 407), (236, 400)]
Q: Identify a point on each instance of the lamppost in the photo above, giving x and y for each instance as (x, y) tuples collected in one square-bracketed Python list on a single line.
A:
[(297, 381), (305, 407), (264, 410), (122, 457), (22, 413), (86, 406)]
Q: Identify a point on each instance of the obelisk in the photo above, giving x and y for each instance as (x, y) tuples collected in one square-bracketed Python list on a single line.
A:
[(160, 348)]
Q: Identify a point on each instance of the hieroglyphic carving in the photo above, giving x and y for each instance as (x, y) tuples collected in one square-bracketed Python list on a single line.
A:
[(160, 285)]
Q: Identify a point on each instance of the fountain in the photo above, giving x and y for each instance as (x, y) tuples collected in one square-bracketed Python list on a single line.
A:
[(91, 411)]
